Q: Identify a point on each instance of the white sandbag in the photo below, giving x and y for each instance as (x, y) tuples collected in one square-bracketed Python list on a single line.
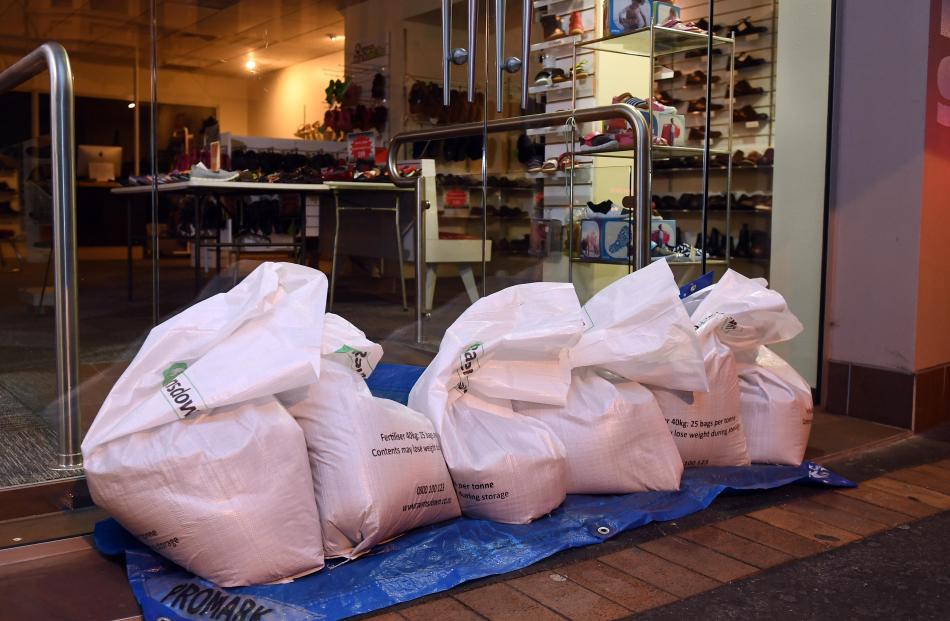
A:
[(225, 355), (777, 410), (377, 465), (509, 345), (775, 400), (639, 330), (225, 494), (616, 438)]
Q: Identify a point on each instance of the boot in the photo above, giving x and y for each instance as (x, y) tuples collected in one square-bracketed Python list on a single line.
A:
[(744, 245), (552, 27), (577, 24)]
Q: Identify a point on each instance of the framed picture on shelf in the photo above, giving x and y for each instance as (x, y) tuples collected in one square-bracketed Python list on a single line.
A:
[(662, 11), (663, 232), (626, 15)]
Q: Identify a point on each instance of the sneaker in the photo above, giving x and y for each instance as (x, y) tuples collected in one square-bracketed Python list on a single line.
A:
[(577, 24)]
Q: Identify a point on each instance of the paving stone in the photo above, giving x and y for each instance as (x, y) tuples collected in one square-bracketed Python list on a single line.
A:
[(569, 598), (699, 558), (500, 602), (909, 490), (859, 507), (805, 526), (737, 547), (850, 522), (773, 537), (618, 586), (659, 572), (929, 477), (895, 502), (443, 608)]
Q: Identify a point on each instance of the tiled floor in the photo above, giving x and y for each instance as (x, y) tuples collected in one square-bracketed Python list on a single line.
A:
[(664, 570)]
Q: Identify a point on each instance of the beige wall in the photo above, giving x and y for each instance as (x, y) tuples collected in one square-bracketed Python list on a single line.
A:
[(228, 95), (276, 101)]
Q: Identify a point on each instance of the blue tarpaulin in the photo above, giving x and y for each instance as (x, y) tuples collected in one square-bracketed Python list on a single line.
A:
[(434, 558)]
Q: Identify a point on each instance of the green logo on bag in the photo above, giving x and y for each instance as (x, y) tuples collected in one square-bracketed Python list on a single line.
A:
[(174, 370), (359, 360)]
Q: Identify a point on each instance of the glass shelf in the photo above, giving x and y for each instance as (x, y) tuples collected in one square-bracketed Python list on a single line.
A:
[(658, 152), (665, 41)]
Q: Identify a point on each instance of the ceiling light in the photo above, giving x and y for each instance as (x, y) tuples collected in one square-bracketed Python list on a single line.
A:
[(250, 65), (131, 105)]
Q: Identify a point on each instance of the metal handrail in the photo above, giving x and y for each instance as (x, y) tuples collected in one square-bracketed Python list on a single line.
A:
[(547, 119), (53, 57), (551, 119)]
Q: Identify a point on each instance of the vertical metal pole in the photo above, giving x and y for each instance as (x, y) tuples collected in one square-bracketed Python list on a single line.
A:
[(53, 57), (446, 44), (527, 17), (399, 257), (136, 111), (153, 155), (706, 141), (420, 257), (336, 247), (732, 96), (64, 243)]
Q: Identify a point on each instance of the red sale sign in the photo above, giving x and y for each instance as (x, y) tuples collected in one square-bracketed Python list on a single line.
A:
[(361, 145), (456, 198)]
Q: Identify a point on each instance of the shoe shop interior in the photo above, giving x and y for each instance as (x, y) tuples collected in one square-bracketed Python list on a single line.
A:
[(423, 155)]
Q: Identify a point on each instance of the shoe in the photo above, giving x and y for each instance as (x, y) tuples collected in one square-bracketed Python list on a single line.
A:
[(668, 100), (550, 165), (576, 24), (558, 75), (378, 89), (698, 78), (744, 89), (596, 142), (534, 165), (701, 52), (744, 244), (580, 70), (744, 27), (748, 114), (739, 159), (704, 24), (768, 158), (543, 78), (745, 61), (551, 26), (699, 105), (602, 207), (697, 133)]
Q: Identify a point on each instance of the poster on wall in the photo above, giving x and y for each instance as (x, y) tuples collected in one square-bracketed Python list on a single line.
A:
[(361, 145)]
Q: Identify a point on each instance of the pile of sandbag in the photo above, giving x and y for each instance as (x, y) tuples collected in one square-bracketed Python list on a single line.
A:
[(201, 448), (243, 443)]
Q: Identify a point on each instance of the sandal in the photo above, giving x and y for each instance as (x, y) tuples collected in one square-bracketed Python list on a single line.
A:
[(745, 27), (543, 78), (596, 142), (567, 161), (549, 165)]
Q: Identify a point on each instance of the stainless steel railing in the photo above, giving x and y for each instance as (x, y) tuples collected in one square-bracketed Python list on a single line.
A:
[(53, 57), (548, 119)]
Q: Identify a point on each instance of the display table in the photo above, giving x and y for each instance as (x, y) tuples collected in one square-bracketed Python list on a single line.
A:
[(201, 188), (341, 187)]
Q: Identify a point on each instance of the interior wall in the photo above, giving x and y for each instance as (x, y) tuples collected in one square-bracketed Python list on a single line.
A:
[(227, 95), (933, 304), (280, 101), (798, 190), (878, 147)]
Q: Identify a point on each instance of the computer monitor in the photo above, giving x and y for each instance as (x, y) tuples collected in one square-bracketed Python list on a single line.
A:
[(94, 162)]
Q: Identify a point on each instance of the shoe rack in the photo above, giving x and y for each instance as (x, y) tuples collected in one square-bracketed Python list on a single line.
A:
[(750, 132), (627, 63)]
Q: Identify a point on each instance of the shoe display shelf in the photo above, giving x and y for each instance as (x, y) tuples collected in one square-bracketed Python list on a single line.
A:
[(631, 62), (750, 126)]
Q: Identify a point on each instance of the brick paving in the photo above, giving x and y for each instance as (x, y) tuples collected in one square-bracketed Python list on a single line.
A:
[(665, 570)]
